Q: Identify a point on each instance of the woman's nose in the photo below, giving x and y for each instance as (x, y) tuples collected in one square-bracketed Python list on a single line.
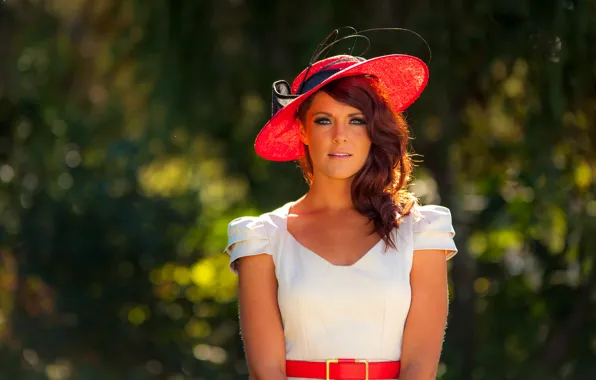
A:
[(340, 133)]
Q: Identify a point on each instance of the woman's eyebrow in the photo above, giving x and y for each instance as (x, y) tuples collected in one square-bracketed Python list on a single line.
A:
[(328, 114)]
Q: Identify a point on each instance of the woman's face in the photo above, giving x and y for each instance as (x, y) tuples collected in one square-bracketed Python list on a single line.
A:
[(337, 137)]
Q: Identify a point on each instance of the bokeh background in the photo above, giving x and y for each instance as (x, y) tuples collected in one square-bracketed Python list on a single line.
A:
[(126, 133)]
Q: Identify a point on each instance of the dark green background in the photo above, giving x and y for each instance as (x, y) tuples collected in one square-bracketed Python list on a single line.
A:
[(126, 132)]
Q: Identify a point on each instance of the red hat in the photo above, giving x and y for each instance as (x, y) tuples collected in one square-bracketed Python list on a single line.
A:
[(401, 78)]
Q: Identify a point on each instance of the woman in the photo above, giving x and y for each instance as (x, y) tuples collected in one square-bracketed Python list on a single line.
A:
[(349, 281)]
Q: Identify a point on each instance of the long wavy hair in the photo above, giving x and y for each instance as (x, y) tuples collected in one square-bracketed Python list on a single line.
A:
[(379, 189)]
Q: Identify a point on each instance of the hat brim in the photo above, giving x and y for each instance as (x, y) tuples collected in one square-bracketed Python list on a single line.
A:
[(402, 77)]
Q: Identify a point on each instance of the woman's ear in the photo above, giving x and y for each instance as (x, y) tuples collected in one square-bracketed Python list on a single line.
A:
[(302, 131)]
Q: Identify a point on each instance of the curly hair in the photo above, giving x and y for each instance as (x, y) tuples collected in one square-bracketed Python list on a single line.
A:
[(379, 189)]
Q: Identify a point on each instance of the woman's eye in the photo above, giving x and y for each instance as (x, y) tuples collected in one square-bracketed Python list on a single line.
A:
[(322, 121), (358, 121)]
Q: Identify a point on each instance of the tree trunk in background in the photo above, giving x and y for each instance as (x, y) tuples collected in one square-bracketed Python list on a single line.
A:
[(462, 320), (7, 32)]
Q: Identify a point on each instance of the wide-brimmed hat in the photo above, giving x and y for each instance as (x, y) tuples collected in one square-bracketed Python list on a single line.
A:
[(401, 79)]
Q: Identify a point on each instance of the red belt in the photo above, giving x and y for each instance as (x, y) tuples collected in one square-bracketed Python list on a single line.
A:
[(343, 369)]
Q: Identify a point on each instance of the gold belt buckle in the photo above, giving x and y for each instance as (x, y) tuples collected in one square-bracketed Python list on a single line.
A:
[(365, 367), (327, 362), (327, 367)]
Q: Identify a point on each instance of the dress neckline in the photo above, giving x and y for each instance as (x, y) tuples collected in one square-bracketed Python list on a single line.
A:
[(286, 212)]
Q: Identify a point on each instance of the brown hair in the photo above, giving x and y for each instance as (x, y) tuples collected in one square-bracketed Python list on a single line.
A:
[(379, 190)]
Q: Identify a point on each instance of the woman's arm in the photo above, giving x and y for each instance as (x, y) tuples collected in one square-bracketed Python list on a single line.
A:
[(427, 318), (260, 319)]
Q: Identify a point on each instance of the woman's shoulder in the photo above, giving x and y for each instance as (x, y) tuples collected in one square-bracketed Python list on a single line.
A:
[(264, 226), (432, 228), (255, 235), (426, 214), (270, 220)]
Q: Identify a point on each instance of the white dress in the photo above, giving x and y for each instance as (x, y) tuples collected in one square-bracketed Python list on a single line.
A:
[(328, 311)]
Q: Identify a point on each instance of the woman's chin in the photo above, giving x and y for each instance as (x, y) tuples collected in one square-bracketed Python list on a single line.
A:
[(340, 175)]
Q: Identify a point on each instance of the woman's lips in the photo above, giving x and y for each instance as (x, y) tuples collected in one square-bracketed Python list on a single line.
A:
[(339, 156)]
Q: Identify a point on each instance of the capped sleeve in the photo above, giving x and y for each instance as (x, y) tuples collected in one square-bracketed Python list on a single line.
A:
[(433, 230), (247, 236)]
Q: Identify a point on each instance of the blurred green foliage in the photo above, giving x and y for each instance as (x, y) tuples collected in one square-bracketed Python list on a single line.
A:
[(126, 131)]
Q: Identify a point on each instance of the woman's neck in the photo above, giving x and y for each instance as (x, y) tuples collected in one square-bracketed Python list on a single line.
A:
[(330, 195)]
